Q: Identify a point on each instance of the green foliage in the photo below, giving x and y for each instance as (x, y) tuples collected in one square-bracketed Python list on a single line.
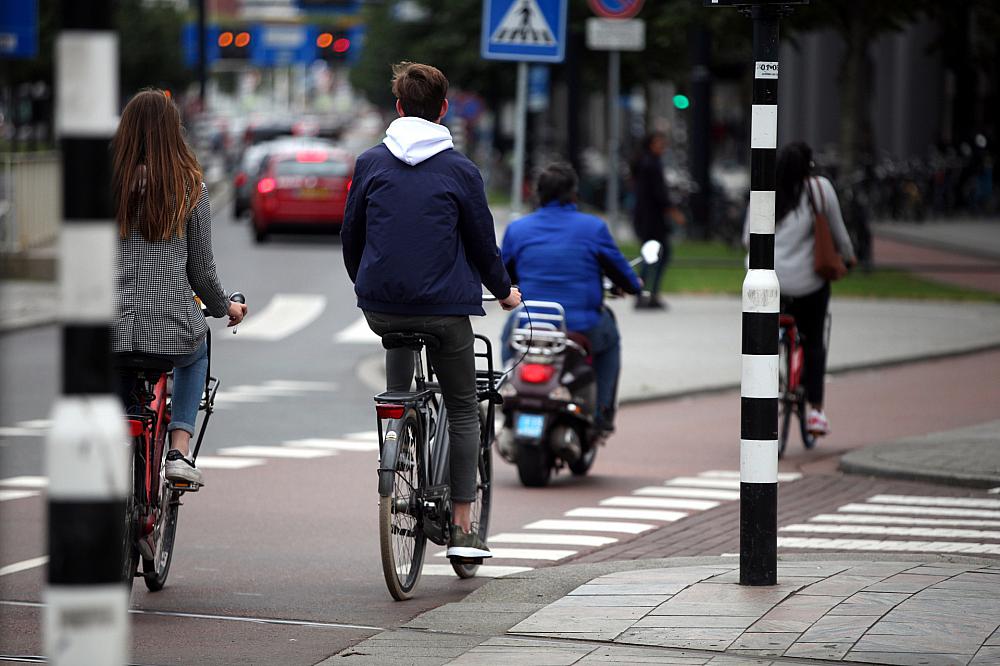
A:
[(150, 46)]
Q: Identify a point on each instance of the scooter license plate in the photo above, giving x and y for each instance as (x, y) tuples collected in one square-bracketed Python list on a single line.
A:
[(530, 425)]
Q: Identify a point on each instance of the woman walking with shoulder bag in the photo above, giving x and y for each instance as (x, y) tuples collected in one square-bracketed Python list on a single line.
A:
[(807, 215)]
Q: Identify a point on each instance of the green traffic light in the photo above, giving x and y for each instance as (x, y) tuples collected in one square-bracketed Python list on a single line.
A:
[(681, 101)]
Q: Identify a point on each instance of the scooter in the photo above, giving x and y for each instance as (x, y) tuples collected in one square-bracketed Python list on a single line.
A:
[(549, 401)]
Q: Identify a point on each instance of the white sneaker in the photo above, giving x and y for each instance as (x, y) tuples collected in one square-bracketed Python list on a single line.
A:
[(179, 468), (817, 423)]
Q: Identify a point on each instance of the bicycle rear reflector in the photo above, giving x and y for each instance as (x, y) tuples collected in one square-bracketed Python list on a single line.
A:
[(536, 373), (386, 411), (135, 428)]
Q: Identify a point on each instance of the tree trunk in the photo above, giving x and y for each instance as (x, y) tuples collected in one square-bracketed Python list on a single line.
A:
[(855, 79)]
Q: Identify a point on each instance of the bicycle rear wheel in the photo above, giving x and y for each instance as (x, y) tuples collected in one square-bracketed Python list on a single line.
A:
[(401, 537), (480, 509), (164, 532), (130, 518)]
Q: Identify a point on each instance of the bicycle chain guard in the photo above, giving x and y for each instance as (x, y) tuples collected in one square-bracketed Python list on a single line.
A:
[(436, 514)]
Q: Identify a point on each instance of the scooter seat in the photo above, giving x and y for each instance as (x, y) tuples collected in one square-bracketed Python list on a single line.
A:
[(582, 340)]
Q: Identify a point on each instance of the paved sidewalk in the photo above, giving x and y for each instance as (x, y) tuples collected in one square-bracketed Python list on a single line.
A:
[(26, 303), (692, 611), (977, 237), (968, 457)]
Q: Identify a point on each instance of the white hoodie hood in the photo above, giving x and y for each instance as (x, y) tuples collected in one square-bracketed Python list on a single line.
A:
[(413, 140)]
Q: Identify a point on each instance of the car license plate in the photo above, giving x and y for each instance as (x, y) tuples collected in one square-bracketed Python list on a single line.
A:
[(530, 425), (312, 193)]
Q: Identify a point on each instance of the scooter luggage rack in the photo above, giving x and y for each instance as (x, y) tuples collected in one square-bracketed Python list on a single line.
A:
[(540, 328)]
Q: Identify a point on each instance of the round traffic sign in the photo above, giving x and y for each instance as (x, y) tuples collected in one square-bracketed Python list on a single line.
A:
[(618, 9)]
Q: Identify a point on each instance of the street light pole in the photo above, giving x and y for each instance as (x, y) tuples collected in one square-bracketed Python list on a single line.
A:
[(86, 610), (202, 57), (520, 138), (614, 134)]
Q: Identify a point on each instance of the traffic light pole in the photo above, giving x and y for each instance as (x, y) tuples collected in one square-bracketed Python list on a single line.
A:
[(761, 298), (520, 137), (202, 58), (614, 135)]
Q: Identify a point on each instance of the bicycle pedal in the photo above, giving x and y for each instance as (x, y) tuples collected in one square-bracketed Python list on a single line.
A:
[(184, 486), (468, 560)]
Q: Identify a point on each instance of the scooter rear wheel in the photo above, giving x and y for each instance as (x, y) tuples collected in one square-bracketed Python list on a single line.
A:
[(534, 465)]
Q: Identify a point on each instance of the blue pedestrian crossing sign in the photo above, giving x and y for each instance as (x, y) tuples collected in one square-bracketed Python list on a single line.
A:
[(530, 30)]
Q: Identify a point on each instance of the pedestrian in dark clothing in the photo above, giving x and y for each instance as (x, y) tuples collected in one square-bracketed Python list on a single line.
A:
[(654, 214)]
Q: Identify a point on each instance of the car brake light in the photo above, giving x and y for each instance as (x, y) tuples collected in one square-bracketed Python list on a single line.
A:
[(311, 156), (386, 411), (241, 179), (535, 373), (266, 185)]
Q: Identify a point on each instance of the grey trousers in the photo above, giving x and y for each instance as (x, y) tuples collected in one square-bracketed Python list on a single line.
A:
[(454, 365)]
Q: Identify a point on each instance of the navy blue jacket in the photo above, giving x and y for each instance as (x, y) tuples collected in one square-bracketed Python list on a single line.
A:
[(558, 254), (419, 240)]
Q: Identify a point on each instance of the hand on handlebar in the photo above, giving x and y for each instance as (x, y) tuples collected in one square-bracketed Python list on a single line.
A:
[(512, 301), (237, 309)]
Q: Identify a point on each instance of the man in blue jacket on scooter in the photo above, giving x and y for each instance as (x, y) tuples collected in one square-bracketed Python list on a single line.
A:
[(559, 254)]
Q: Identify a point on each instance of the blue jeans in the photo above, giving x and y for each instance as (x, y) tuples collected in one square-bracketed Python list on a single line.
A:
[(190, 371), (606, 349)]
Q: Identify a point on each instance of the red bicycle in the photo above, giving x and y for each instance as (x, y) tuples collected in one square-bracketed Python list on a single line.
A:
[(791, 391), (151, 509)]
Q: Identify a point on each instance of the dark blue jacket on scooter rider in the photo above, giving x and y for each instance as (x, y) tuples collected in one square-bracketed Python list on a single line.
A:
[(558, 254), (418, 236)]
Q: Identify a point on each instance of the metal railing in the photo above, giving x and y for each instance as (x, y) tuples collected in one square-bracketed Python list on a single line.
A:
[(30, 200)]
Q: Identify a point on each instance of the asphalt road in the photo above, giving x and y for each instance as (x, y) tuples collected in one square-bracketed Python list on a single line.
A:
[(294, 538)]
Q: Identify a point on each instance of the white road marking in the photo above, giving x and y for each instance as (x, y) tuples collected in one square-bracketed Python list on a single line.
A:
[(301, 385), (865, 519), (729, 474), (21, 432), (275, 452), (588, 526), (7, 495), (485, 571), (889, 546), (40, 424), (366, 436), (697, 482), (26, 482), (226, 618), (23, 565), (284, 315), (920, 510), (357, 333), (555, 539), (222, 398), (693, 493), (523, 554), (922, 500), (937, 532), (626, 514), (994, 491), (660, 503), (332, 444), (270, 391), (221, 462)]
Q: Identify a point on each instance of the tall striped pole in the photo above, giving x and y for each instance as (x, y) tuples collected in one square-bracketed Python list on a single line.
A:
[(759, 382), (86, 613)]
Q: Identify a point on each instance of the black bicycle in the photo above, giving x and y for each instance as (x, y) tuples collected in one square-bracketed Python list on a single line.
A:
[(414, 491)]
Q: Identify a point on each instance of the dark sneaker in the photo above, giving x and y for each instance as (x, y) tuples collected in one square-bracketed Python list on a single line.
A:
[(466, 544), (180, 468)]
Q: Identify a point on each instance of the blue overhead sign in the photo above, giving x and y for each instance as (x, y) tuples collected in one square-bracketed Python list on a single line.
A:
[(529, 30), (19, 29), (277, 45)]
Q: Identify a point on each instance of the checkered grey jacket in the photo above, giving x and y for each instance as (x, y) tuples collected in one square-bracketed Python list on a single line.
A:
[(155, 312)]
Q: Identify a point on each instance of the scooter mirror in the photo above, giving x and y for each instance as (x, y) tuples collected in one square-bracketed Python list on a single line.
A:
[(650, 251)]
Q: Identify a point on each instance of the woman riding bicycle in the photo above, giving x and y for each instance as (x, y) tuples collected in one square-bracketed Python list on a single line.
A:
[(164, 223), (804, 294)]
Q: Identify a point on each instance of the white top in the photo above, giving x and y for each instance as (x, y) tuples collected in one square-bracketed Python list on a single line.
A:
[(793, 239), (414, 140)]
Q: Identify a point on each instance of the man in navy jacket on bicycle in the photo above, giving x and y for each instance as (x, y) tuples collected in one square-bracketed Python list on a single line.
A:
[(419, 244), (560, 254)]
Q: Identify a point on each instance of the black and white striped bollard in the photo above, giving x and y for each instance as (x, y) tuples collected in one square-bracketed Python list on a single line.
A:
[(761, 297), (86, 613)]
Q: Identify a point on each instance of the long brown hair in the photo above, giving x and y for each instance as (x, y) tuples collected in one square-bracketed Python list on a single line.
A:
[(157, 179)]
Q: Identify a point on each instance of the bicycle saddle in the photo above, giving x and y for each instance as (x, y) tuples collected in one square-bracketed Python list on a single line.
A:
[(410, 340), (132, 361)]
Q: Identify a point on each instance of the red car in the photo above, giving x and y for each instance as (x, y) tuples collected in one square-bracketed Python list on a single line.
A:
[(302, 188)]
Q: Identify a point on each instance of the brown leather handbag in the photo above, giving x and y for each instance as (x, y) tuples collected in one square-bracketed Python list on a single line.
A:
[(827, 262)]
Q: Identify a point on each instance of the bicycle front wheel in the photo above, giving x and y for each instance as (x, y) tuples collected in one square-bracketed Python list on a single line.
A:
[(130, 519), (480, 509), (786, 397), (401, 537), (164, 532)]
